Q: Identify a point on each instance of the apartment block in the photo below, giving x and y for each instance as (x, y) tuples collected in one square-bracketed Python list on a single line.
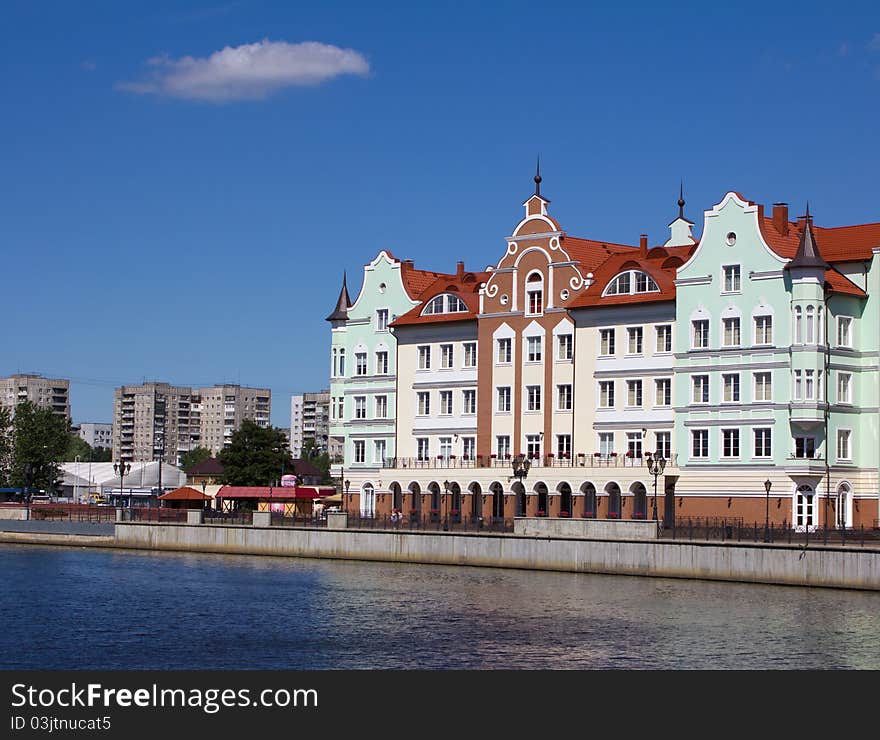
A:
[(223, 408), (47, 393), (309, 421), (96, 435)]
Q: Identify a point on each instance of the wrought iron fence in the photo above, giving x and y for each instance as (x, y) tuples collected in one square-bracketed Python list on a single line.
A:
[(583, 460), (242, 516), (736, 530), (154, 514), (278, 519), (73, 513)]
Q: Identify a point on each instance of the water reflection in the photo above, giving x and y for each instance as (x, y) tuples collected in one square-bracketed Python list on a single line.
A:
[(111, 609)]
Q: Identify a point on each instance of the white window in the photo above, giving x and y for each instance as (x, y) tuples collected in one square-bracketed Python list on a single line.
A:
[(533, 397), (533, 445), (606, 443), (731, 279), (700, 385), (360, 363), (730, 442), (379, 451), (565, 347), (700, 333), (502, 445), (470, 354), (340, 407), (763, 442), (804, 507), (446, 303), (811, 312), (360, 407), (382, 319), (563, 398), (606, 342), (763, 330), (844, 387), (663, 392), (360, 451), (446, 356), (631, 281), (633, 393), (843, 446), (798, 325), (504, 398), (606, 394), (534, 349), (446, 403), (805, 447), (699, 443), (663, 440), (763, 387), (534, 294), (469, 447), (634, 334), (563, 446), (382, 363), (469, 402), (381, 407), (341, 363), (504, 350), (731, 332), (424, 357), (731, 387), (634, 444), (809, 386), (422, 450), (445, 447), (335, 372), (424, 403), (664, 338), (798, 385), (844, 331)]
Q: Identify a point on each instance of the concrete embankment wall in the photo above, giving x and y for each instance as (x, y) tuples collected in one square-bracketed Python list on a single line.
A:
[(835, 567)]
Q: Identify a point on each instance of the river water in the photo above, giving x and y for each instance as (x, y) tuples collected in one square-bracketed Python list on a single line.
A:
[(104, 609)]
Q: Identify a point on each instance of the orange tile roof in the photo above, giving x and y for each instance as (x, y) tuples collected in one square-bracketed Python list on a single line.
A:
[(654, 262), (465, 285), (591, 253)]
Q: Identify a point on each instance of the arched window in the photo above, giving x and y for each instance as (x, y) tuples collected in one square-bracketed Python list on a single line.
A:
[(445, 303), (819, 325), (368, 500), (629, 282), (810, 314), (335, 364), (798, 325), (535, 294)]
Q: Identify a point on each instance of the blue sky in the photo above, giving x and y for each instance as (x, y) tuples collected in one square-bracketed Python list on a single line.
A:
[(175, 212)]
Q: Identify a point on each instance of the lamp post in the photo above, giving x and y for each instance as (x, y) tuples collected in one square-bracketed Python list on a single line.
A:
[(76, 481), (655, 463), (521, 467), (767, 484), (446, 506), (122, 469), (30, 472), (345, 502)]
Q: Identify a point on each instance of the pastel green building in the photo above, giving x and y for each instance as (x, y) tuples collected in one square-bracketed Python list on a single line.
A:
[(776, 368)]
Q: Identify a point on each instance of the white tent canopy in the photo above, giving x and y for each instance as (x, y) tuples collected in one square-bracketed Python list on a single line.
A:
[(100, 477)]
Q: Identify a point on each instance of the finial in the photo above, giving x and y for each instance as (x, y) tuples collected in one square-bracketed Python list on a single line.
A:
[(538, 177), (808, 211), (681, 199)]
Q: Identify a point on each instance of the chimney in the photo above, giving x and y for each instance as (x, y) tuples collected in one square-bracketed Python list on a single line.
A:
[(780, 218), (459, 269), (643, 244), (409, 263)]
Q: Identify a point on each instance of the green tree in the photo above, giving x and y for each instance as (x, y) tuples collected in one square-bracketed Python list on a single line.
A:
[(321, 460), (194, 457), (6, 447), (40, 440), (78, 447), (102, 454), (255, 456)]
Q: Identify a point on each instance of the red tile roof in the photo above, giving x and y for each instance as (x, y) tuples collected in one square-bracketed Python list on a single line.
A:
[(660, 263), (465, 285), (274, 493), (184, 494), (591, 253)]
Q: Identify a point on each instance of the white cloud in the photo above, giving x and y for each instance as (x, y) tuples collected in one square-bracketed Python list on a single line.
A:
[(249, 71)]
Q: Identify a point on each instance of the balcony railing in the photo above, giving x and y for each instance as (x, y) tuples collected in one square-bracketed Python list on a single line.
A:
[(505, 461)]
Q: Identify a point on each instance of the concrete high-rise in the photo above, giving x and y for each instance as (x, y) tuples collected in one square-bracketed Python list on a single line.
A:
[(309, 421), (47, 393)]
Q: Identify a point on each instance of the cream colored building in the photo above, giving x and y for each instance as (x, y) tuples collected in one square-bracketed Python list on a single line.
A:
[(47, 393)]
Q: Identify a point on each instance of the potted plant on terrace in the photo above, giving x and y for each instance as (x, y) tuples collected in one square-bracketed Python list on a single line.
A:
[(540, 512), (564, 513)]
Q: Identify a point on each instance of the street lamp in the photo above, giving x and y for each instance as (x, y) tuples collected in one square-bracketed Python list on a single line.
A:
[(122, 469), (446, 506), (767, 485), (655, 463), (30, 473), (76, 482), (521, 467), (345, 502)]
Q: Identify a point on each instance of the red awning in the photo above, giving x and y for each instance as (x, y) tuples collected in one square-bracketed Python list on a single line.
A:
[(184, 494), (274, 493)]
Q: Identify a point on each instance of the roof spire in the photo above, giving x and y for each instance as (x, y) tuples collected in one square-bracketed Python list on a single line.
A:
[(538, 177), (808, 249), (340, 313), (681, 198)]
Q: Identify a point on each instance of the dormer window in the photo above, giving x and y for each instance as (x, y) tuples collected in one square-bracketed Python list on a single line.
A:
[(631, 281), (446, 303), (535, 294)]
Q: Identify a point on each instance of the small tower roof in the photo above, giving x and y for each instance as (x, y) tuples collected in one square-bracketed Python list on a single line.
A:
[(808, 249), (340, 313)]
